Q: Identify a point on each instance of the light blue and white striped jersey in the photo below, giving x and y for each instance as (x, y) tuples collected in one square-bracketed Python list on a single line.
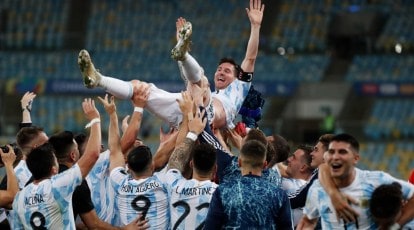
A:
[(102, 192), (148, 197), (189, 200), (23, 173), (47, 205), (318, 202), (291, 185), (232, 98)]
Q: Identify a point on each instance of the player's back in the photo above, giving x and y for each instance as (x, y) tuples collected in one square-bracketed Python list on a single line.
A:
[(47, 205), (255, 202), (190, 200), (147, 197)]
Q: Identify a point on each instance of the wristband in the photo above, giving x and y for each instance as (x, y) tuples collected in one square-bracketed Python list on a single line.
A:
[(27, 108), (138, 109), (93, 121), (192, 136), (395, 226)]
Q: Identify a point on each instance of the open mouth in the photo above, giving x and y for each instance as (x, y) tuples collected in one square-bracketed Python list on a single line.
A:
[(336, 166), (220, 79)]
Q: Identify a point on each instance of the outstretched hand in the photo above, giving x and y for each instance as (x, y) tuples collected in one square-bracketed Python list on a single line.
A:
[(88, 106), (141, 94), (343, 209), (255, 12), (186, 103), (197, 122), (138, 224), (109, 104), (8, 158), (27, 99)]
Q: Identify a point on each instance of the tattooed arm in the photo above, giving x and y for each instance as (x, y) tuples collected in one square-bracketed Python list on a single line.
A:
[(181, 155)]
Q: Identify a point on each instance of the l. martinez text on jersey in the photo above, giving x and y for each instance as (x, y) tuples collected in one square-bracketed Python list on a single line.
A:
[(195, 191)]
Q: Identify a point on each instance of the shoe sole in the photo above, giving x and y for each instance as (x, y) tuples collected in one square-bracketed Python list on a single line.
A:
[(183, 44), (86, 67)]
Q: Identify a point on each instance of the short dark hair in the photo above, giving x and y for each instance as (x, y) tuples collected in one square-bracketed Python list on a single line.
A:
[(26, 135), (256, 134), (281, 148), (344, 137), (253, 153), (41, 160), (204, 157), (139, 159), (386, 201), (325, 139), (62, 142), (307, 150), (233, 62)]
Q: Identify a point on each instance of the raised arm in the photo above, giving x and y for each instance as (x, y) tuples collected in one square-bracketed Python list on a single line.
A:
[(7, 196), (181, 154), (166, 147), (139, 100), (116, 158), (93, 146), (26, 105), (255, 14), (186, 106)]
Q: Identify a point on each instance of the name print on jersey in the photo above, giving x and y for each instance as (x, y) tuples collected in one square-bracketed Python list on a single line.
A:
[(195, 191), (141, 188), (34, 200)]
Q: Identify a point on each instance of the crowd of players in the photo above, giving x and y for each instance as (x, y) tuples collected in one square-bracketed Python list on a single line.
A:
[(194, 180)]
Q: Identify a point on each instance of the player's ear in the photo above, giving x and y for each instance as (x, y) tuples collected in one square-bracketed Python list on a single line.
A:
[(265, 164), (54, 170)]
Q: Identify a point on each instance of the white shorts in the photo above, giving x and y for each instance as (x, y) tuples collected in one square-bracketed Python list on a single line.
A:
[(164, 105)]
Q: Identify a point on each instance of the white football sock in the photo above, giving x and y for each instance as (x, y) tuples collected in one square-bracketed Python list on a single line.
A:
[(190, 68), (119, 88)]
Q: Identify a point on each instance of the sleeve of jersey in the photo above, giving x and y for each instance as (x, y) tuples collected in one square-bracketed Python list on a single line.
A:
[(297, 199), (64, 183), (82, 202), (172, 176), (311, 206), (101, 165), (215, 217), (117, 176), (14, 220), (407, 189)]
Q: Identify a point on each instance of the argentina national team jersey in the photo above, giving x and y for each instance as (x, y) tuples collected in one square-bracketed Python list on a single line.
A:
[(23, 173), (189, 200), (232, 98), (318, 202), (148, 197), (102, 193), (47, 205)]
